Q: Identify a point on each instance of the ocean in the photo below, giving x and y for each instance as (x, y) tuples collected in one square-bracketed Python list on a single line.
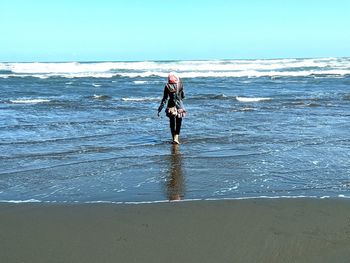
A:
[(89, 131)]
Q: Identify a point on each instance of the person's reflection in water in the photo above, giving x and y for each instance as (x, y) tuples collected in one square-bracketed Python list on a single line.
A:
[(175, 189)]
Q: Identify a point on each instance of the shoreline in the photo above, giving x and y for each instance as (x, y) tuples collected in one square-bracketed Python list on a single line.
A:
[(165, 201), (247, 230)]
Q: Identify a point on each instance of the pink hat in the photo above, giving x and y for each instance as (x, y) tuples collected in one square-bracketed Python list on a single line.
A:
[(172, 78)]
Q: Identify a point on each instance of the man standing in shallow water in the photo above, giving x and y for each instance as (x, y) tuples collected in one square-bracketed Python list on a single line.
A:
[(175, 110)]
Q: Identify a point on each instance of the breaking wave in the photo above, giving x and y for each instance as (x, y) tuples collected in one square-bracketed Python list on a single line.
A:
[(323, 67), (29, 101), (142, 99), (246, 99)]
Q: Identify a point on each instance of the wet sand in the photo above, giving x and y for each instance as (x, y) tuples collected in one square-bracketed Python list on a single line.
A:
[(260, 230)]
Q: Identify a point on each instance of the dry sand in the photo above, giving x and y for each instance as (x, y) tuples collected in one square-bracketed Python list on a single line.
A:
[(259, 230)]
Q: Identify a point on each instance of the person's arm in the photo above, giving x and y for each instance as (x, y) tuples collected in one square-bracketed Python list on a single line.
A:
[(164, 100), (182, 93)]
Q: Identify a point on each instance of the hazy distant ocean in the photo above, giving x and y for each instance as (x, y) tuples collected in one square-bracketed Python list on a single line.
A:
[(89, 132)]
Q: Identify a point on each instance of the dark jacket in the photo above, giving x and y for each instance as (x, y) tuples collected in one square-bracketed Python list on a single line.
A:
[(174, 94)]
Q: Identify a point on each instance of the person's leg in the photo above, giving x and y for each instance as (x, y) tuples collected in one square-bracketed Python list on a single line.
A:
[(172, 126), (178, 126), (177, 130)]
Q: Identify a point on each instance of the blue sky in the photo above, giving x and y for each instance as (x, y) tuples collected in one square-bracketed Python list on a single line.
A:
[(113, 30)]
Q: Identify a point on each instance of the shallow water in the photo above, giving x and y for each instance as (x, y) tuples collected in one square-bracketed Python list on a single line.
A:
[(90, 133)]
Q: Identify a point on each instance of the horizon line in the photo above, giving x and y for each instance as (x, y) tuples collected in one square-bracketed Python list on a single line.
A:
[(172, 60)]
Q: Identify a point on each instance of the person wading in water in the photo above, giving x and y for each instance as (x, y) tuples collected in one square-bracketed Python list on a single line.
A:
[(175, 111)]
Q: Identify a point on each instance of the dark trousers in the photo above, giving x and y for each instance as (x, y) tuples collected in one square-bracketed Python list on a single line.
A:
[(175, 125)]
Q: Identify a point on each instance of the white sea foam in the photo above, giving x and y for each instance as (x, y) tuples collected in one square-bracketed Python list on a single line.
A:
[(181, 201), (246, 99), (186, 69), (99, 96), (140, 81), (247, 109), (29, 101), (198, 74), (141, 99), (21, 201)]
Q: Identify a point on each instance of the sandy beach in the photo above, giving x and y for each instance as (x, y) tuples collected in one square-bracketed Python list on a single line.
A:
[(256, 230)]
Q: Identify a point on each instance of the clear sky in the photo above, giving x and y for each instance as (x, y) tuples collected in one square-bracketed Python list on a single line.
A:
[(114, 30)]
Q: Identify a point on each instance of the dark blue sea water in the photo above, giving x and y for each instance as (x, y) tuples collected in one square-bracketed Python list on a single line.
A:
[(89, 131)]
